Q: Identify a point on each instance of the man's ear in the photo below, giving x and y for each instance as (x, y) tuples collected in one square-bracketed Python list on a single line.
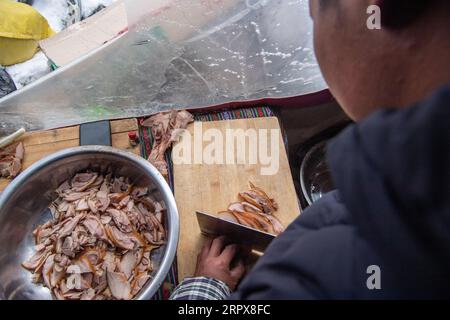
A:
[(396, 14)]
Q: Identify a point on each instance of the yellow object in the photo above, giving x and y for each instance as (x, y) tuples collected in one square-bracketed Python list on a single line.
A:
[(21, 28)]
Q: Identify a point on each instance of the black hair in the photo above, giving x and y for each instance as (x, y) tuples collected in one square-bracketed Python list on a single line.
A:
[(396, 14)]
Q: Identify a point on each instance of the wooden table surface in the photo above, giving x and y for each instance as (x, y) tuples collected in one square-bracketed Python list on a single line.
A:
[(39, 144)]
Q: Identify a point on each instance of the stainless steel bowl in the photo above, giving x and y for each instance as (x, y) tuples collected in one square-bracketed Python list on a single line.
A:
[(315, 176), (24, 202)]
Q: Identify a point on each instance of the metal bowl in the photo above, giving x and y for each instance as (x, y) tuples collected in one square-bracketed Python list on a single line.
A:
[(23, 206), (315, 176)]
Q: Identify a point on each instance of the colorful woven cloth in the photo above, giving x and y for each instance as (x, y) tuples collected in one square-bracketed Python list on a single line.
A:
[(146, 137), (171, 281), (243, 113)]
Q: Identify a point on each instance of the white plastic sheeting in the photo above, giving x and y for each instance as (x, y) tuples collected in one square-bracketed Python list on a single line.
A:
[(26, 72), (178, 54)]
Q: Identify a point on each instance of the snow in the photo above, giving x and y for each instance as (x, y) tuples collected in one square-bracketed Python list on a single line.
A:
[(62, 13), (59, 13), (29, 71), (89, 6)]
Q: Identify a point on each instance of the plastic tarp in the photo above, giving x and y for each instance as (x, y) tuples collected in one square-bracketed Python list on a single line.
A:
[(178, 54), (21, 27)]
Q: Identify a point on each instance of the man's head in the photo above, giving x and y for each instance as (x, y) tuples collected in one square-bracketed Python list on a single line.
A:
[(399, 64)]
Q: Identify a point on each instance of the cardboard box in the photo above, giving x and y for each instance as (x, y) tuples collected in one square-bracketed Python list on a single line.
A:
[(87, 35)]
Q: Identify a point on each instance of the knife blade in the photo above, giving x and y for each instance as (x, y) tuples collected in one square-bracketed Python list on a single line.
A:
[(236, 233)]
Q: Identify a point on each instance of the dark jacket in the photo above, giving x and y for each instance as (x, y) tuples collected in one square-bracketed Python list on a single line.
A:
[(392, 210)]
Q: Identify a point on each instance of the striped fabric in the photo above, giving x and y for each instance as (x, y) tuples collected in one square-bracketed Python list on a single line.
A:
[(171, 280), (243, 113), (146, 146), (201, 288)]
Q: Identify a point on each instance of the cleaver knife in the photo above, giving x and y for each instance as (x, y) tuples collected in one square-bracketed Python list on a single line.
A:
[(213, 226)]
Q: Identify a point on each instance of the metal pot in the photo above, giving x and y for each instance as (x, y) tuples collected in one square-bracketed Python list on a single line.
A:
[(23, 205), (315, 176)]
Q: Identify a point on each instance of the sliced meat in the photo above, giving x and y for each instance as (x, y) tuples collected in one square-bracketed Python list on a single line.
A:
[(48, 269), (139, 282), (82, 205), (120, 219), (124, 202), (11, 160), (165, 129), (69, 225), (120, 239), (56, 276), (58, 294), (100, 282), (260, 219), (119, 285), (246, 221), (128, 263), (103, 200), (138, 192), (255, 200), (73, 295), (248, 207), (105, 219), (63, 187), (37, 259), (226, 215), (236, 207), (262, 193), (95, 227), (88, 294), (109, 262), (63, 206), (82, 181), (277, 226), (70, 210), (69, 247), (74, 196), (145, 264), (84, 265), (97, 244)]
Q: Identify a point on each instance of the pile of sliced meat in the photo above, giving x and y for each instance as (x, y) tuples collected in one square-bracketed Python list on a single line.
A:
[(98, 244), (166, 128), (11, 160), (255, 210)]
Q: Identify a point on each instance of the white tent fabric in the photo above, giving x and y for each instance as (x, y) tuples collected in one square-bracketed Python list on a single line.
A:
[(178, 54)]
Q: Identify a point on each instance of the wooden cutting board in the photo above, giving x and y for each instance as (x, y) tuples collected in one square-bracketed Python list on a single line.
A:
[(39, 144), (211, 188)]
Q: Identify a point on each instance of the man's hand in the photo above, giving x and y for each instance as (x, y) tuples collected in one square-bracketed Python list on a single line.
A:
[(214, 261)]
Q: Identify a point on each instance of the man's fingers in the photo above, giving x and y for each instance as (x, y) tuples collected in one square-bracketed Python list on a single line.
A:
[(217, 246), (205, 249), (229, 252), (238, 271)]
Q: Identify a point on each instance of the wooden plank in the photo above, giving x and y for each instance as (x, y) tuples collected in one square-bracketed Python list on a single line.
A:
[(3, 184), (124, 125), (49, 136), (34, 153), (39, 144), (121, 141), (212, 187)]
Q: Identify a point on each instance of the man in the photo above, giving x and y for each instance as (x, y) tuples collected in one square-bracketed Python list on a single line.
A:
[(386, 232)]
